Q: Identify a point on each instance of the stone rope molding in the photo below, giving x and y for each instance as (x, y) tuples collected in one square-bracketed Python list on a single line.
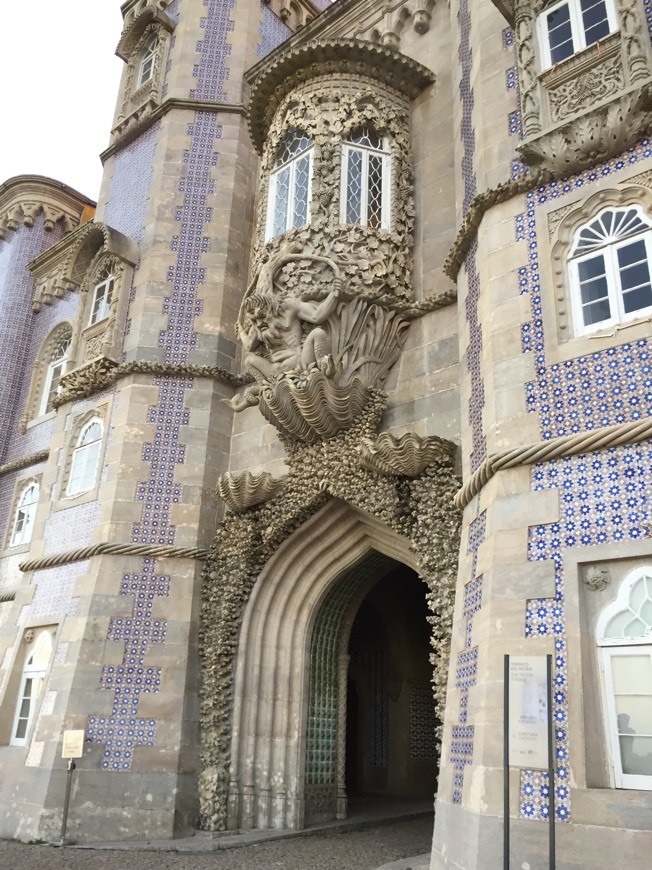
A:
[(10, 595), (102, 549), (566, 445), (24, 462)]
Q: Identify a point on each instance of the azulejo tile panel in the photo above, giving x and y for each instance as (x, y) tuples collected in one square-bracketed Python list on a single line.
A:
[(466, 668), (603, 495), (272, 31), (124, 730)]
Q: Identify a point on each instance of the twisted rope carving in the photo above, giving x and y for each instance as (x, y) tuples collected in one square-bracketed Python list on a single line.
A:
[(24, 462), (79, 555), (566, 445)]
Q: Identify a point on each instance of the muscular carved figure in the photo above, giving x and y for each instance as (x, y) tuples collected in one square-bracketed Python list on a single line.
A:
[(275, 325)]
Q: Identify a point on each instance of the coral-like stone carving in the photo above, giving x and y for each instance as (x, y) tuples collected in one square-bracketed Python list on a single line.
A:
[(85, 380), (593, 137), (597, 579), (406, 456), (246, 489), (308, 406)]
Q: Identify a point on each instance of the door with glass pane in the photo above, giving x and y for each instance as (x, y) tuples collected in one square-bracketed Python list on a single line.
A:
[(628, 684)]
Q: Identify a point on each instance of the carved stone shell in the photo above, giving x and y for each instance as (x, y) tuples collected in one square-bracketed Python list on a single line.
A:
[(406, 456), (309, 407), (245, 489)]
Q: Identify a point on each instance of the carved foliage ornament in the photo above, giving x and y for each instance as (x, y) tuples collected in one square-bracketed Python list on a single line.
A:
[(593, 137)]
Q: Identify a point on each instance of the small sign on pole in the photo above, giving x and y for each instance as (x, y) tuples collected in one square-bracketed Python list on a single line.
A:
[(73, 744), (73, 747), (528, 732), (528, 712)]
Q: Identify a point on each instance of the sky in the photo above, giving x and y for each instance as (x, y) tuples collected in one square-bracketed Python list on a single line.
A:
[(60, 80)]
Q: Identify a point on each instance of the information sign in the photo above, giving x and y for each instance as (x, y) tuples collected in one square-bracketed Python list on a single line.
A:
[(73, 744), (528, 712)]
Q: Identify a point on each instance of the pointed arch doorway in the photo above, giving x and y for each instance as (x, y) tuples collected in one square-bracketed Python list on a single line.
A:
[(330, 627)]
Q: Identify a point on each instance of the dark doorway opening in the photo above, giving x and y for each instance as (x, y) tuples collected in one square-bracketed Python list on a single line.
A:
[(390, 730)]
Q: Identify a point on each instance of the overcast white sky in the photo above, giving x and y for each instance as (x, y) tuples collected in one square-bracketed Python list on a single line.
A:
[(59, 79)]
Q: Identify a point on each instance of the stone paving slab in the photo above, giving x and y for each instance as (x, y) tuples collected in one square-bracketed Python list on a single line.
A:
[(416, 862), (365, 849)]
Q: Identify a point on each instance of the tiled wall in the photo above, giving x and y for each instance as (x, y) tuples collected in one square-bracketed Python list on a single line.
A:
[(123, 730)]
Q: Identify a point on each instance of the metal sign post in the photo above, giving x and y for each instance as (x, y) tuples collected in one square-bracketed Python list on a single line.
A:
[(73, 747), (529, 737)]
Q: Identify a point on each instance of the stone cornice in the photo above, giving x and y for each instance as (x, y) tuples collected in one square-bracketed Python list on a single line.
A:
[(24, 197), (273, 79), (506, 9), (24, 462), (143, 123)]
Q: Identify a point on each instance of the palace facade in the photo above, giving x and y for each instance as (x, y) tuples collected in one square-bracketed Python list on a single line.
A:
[(341, 392)]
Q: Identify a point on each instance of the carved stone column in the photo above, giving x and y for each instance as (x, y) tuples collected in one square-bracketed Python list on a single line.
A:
[(342, 676), (524, 26)]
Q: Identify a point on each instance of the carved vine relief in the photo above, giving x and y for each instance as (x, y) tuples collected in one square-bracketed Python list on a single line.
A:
[(317, 322)]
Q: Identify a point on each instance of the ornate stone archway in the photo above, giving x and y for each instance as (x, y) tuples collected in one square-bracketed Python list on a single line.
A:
[(269, 569), (270, 721)]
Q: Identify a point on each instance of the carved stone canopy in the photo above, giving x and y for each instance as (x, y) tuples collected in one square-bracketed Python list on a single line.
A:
[(272, 80), (24, 197), (65, 265), (137, 20)]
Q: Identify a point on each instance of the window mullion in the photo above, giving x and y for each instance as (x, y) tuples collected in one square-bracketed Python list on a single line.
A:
[(577, 26), (614, 286), (364, 189)]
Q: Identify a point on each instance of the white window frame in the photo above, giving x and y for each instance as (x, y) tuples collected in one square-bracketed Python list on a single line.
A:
[(270, 232), (56, 366), (26, 512), (386, 199), (149, 55), (103, 291), (608, 252), (578, 33), (618, 647), (80, 459), (621, 779), (37, 674)]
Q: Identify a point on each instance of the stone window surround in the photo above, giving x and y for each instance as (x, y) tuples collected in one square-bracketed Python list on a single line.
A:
[(339, 182), (135, 95), (578, 32), (560, 302), (102, 412), (31, 415), (599, 84), (612, 274), (20, 485), (13, 683)]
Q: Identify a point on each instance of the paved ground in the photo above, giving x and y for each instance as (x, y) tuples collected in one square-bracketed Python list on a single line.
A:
[(366, 849)]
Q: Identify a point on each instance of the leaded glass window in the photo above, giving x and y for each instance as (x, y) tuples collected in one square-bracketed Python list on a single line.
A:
[(609, 269), (625, 635), (289, 185), (365, 193), (572, 25), (85, 459)]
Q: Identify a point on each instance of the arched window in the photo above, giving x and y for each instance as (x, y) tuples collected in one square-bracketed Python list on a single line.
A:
[(56, 365), (366, 167), (609, 269), (147, 62), (25, 513), (101, 301), (85, 458), (573, 25), (31, 687), (289, 185), (624, 634)]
